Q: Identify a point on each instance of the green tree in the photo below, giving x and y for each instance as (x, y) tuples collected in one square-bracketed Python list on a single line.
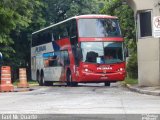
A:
[(62, 9), (15, 15), (22, 39), (115, 8), (18, 19)]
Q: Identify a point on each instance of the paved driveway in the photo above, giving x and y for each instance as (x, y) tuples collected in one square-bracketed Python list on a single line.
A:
[(85, 99)]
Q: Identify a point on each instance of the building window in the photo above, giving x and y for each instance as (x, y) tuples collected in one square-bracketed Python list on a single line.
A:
[(145, 24)]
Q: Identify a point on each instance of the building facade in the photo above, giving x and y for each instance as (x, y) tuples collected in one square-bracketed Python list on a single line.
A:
[(148, 41)]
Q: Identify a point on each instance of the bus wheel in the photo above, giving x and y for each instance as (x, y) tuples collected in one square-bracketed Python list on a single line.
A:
[(107, 84), (74, 84), (48, 83), (41, 83), (41, 79), (69, 78), (38, 78)]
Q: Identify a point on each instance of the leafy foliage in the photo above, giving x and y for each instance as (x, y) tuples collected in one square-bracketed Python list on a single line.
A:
[(18, 19), (62, 9), (132, 66), (15, 15)]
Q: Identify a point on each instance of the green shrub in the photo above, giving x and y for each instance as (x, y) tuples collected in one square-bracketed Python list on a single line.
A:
[(132, 66)]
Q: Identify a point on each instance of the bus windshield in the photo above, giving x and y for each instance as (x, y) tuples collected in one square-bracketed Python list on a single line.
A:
[(102, 52), (99, 27)]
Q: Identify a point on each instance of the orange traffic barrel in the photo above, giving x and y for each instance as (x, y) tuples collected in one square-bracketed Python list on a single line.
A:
[(6, 85), (22, 78)]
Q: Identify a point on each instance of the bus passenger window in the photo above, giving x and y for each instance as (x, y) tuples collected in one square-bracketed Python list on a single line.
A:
[(55, 59), (52, 61)]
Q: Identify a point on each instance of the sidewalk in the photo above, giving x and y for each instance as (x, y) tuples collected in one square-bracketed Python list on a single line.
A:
[(145, 90)]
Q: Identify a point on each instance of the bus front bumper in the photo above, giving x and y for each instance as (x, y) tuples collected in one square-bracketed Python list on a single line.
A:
[(101, 77)]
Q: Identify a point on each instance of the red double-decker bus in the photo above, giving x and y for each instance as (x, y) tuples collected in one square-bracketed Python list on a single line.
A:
[(81, 49)]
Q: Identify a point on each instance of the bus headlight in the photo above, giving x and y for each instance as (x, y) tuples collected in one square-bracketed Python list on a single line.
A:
[(87, 70), (121, 70)]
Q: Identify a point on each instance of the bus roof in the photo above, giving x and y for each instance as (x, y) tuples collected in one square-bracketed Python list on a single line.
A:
[(78, 17), (95, 16)]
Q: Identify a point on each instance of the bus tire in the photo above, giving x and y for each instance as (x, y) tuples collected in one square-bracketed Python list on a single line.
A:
[(41, 79), (107, 84), (38, 78), (48, 83), (69, 78), (74, 84)]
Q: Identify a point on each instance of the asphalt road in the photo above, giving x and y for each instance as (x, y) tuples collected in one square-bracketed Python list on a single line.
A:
[(84, 99)]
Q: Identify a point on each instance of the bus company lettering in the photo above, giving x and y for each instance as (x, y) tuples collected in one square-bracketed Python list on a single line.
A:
[(40, 49), (104, 68)]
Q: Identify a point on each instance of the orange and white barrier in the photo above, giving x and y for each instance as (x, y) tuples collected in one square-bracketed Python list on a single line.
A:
[(22, 78), (6, 85)]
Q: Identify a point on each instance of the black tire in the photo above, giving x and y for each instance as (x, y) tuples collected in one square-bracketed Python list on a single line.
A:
[(107, 84), (69, 80), (74, 84), (41, 79), (38, 78), (48, 83)]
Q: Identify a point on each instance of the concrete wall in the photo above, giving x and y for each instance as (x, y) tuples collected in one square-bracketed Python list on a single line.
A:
[(148, 47), (140, 4), (148, 62)]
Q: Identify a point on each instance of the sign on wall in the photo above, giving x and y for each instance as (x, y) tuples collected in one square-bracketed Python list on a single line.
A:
[(156, 26)]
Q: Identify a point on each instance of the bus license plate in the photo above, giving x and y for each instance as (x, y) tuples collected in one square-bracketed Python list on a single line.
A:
[(104, 77)]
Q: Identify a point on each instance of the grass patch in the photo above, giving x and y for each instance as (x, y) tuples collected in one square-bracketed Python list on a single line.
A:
[(131, 81), (29, 82)]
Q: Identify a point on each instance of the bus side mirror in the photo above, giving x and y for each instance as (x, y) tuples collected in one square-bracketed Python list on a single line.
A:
[(1, 56), (1, 59)]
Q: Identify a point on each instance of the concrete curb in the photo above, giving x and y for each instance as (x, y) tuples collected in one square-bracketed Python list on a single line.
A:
[(142, 91), (25, 89)]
